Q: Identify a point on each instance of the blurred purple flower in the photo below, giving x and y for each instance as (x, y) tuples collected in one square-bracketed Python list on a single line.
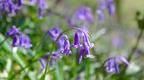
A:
[(13, 31), (109, 5), (100, 14), (112, 64), (25, 41), (9, 6), (19, 2), (83, 15), (19, 39), (42, 6), (54, 33)]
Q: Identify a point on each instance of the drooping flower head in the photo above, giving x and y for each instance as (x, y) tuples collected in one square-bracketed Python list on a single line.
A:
[(112, 64), (13, 31), (54, 33), (61, 40), (82, 42), (64, 44), (19, 39), (81, 38)]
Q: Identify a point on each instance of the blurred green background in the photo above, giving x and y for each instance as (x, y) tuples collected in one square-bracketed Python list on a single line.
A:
[(115, 36)]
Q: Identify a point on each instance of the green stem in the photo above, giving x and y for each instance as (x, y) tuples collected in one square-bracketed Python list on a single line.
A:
[(87, 70), (44, 75), (121, 75), (135, 46)]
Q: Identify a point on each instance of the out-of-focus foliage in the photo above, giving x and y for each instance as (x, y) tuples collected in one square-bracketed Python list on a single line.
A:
[(115, 36)]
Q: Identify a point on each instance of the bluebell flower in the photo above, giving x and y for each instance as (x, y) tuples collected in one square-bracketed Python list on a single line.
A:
[(81, 38), (25, 41), (111, 6), (108, 5), (42, 6), (16, 41), (101, 15), (82, 42), (61, 40), (13, 31), (83, 15), (8, 6), (84, 51), (86, 41), (64, 44), (112, 64), (54, 33), (77, 42), (19, 39)]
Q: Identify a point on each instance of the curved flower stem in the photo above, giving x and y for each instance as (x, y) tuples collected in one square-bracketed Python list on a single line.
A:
[(131, 54), (121, 75), (46, 70), (62, 34), (135, 46), (43, 77)]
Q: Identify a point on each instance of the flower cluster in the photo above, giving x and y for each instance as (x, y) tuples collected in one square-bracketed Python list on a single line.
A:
[(109, 5), (82, 42), (19, 39), (62, 42), (81, 37), (9, 6), (112, 64)]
